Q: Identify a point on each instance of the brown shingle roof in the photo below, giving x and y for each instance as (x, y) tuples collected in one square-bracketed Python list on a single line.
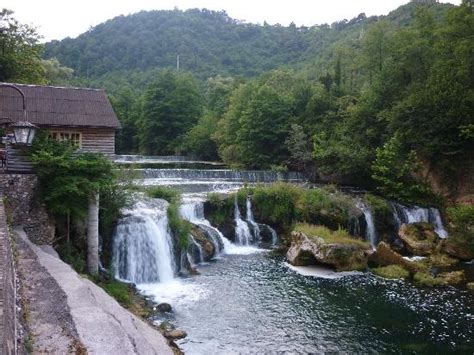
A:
[(57, 106)]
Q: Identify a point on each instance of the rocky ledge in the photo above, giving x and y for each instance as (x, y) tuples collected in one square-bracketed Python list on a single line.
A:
[(314, 250)]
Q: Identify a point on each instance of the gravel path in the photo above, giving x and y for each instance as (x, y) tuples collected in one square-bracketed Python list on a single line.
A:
[(102, 325)]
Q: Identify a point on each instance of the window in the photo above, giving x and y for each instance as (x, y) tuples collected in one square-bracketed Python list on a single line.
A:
[(73, 137)]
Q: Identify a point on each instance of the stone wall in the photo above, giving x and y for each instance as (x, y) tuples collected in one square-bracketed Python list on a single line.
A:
[(21, 197), (8, 309)]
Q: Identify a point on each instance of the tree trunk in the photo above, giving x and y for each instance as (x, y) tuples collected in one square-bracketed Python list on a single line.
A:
[(93, 236)]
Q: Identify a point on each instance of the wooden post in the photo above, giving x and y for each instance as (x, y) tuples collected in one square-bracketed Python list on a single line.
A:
[(93, 236)]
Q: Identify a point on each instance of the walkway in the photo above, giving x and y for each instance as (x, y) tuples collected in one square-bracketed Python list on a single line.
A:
[(102, 325)]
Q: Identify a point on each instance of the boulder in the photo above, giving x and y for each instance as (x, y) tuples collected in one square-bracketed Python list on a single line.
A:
[(164, 307), (342, 257), (208, 249), (418, 239), (458, 250), (385, 256), (175, 334)]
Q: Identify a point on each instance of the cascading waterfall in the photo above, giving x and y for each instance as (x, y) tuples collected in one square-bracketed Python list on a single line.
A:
[(198, 248), (407, 215), (242, 230), (193, 211), (370, 230), (251, 220), (142, 249)]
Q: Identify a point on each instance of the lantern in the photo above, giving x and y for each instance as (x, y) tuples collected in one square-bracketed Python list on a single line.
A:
[(24, 132)]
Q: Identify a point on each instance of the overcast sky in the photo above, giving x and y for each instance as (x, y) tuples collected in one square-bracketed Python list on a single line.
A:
[(56, 19)]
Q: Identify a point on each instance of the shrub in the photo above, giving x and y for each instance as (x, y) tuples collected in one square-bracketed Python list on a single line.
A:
[(461, 225), (277, 204), (165, 193), (333, 210)]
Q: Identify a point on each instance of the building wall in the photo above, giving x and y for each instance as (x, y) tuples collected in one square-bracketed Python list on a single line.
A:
[(97, 140), (20, 193), (8, 309)]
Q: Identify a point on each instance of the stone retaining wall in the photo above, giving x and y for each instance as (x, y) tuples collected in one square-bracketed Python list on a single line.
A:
[(21, 199), (8, 310)]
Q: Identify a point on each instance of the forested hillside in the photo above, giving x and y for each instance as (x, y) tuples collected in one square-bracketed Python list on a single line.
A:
[(380, 102)]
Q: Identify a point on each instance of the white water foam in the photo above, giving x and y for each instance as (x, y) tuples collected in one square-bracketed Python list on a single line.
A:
[(320, 271)]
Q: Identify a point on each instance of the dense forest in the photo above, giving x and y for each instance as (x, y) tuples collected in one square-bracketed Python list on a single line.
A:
[(377, 102)]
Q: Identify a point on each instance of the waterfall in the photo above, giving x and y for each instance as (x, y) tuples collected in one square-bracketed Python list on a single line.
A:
[(414, 214), (242, 230), (192, 210), (370, 230), (142, 248), (251, 220), (198, 248)]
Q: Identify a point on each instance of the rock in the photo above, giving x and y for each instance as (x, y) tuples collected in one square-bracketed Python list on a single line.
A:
[(458, 250), (418, 239), (209, 250), (470, 286), (441, 260), (392, 272), (385, 256), (343, 257), (164, 307), (175, 334), (453, 278)]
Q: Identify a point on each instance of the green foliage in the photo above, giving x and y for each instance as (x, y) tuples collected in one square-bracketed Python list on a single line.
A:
[(383, 215), (68, 179), (339, 236), (198, 140), (118, 290), (394, 170), (319, 206), (20, 51), (171, 106), (165, 193), (277, 204), (461, 225), (73, 256), (180, 228)]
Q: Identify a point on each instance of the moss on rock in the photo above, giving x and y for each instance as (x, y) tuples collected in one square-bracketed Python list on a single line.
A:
[(392, 272)]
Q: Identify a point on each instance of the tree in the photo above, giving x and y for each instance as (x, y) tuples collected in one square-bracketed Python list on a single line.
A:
[(394, 172), (70, 183), (20, 51), (171, 106)]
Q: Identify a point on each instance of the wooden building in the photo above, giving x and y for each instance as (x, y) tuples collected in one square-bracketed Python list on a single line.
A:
[(84, 116)]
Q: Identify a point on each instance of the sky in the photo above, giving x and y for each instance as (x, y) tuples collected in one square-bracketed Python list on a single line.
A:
[(57, 19)]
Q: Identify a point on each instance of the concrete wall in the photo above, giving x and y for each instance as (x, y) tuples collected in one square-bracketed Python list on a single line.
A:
[(8, 310), (20, 193)]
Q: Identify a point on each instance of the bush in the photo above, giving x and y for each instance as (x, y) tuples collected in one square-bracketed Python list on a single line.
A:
[(330, 209), (73, 256), (461, 225), (383, 215), (118, 290), (165, 193), (277, 204)]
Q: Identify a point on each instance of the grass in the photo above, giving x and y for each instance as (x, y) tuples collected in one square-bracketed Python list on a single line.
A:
[(424, 279), (118, 290), (165, 193), (330, 237), (391, 272)]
